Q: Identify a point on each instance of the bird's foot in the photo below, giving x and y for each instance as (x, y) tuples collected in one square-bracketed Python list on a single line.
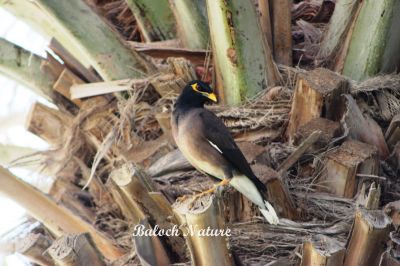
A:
[(182, 198), (224, 182), (199, 195)]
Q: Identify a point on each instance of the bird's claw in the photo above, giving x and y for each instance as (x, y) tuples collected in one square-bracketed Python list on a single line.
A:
[(182, 198), (224, 182), (199, 195)]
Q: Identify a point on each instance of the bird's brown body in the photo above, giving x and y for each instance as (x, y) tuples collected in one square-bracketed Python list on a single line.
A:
[(208, 145), (189, 136)]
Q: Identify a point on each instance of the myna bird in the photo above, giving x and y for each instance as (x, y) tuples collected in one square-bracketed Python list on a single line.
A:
[(208, 145)]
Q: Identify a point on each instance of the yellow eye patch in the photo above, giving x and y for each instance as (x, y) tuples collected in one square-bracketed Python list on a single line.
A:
[(195, 87), (210, 96)]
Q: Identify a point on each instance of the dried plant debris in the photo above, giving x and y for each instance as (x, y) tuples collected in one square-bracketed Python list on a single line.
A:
[(389, 82), (137, 116), (257, 243), (110, 221), (307, 38), (257, 114), (382, 96), (313, 10), (119, 16)]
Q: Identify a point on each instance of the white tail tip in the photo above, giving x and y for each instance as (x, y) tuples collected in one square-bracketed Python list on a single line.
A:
[(269, 213)]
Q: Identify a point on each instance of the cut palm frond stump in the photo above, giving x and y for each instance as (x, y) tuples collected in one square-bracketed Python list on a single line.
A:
[(368, 238), (343, 164), (329, 130), (316, 93), (33, 247), (75, 250), (323, 251), (204, 216), (137, 197)]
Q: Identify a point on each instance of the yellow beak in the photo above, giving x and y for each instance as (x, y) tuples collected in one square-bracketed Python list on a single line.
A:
[(212, 96)]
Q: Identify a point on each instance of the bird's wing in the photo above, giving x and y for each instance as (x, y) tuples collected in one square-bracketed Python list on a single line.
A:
[(218, 135)]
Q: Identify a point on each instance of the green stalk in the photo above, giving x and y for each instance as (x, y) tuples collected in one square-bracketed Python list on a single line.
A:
[(155, 19), (76, 26), (339, 25), (242, 57), (24, 67), (191, 20), (375, 43)]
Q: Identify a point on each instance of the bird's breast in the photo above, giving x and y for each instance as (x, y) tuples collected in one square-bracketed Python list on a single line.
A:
[(199, 153)]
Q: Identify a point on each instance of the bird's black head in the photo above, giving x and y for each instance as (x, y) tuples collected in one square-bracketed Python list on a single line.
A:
[(195, 94)]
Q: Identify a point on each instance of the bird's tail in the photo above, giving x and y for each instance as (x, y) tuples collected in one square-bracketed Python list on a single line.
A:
[(269, 213), (245, 186)]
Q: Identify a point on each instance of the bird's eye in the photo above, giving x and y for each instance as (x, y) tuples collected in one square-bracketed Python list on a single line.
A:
[(195, 87)]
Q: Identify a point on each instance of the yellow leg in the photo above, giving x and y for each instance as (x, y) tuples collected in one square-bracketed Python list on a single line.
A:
[(208, 191), (182, 198), (224, 182)]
